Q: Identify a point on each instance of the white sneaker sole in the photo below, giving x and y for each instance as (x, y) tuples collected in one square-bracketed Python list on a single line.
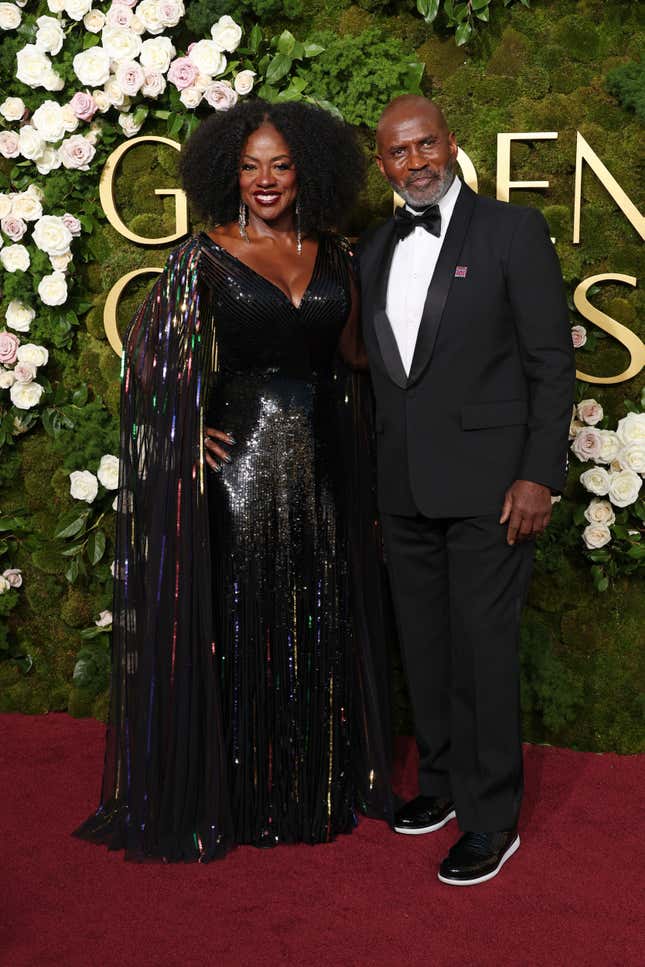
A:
[(426, 829), (513, 848)]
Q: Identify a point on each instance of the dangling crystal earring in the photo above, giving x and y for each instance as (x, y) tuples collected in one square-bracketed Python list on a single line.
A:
[(242, 221), (298, 229)]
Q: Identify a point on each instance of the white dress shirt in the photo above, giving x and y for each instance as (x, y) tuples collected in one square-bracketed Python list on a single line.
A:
[(411, 271)]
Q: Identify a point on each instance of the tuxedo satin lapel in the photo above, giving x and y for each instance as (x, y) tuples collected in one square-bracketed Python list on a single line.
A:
[(441, 281), (376, 274)]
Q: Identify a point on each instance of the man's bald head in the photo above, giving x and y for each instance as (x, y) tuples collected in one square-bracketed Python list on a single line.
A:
[(416, 151)]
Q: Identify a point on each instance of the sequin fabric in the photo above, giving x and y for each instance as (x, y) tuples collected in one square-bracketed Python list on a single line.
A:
[(248, 698)]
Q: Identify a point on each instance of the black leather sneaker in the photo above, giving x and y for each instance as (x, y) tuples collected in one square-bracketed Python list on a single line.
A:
[(478, 857), (424, 814)]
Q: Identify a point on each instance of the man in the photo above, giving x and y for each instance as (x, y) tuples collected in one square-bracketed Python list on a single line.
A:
[(468, 338)]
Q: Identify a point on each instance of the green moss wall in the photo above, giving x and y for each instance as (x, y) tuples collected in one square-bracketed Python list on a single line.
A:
[(542, 69)]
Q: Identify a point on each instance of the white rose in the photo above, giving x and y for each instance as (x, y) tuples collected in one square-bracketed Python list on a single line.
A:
[(49, 121), (52, 81), (4, 585), (73, 224), (10, 16), (26, 205), (12, 108), (104, 619), (15, 258), (137, 26), (25, 396), (94, 21), (50, 35), (202, 81), (119, 15), (226, 34), (130, 76), (83, 485), (590, 412), (49, 160), (77, 152), (60, 263), (121, 43), (13, 227), (609, 446), (596, 481), (31, 143), (76, 9), (624, 487), (129, 125), (14, 576), (587, 444), (170, 12), (631, 429), (9, 144), (70, 121), (7, 378), (52, 235), (190, 97), (632, 456), (243, 83), (156, 54), (596, 535), (155, 84), (600, 512), (32, 354), (19, 316), (6, 206), (220, 95), (102, 101), (114, 92), (207, 58), (108, 472), (32, 66), (150, 16), (24, 372), (92, 66), (52, 289)]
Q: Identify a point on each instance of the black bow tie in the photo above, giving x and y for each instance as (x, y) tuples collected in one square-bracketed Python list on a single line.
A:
[(405, 221)]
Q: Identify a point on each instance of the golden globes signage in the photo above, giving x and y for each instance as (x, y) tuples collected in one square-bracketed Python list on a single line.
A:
[(584, 155)]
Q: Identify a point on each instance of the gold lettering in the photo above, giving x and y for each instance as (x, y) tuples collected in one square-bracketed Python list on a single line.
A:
[(504, 183), (584, 152), (112, 305), (106, 194), (467, 169), (625, 336)]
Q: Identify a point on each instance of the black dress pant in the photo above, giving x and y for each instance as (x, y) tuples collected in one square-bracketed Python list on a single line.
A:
[(458, 591)]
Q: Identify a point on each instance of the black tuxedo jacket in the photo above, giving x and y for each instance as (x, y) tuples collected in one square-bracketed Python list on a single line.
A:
[(490, 391)]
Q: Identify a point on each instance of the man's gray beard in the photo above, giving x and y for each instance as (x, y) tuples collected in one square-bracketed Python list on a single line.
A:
[(433, 193)]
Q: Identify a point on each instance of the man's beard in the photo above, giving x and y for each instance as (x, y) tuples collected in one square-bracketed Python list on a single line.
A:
[(432, 193)]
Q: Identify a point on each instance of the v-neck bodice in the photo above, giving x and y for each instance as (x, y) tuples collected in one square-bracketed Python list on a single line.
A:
[(259, 329)]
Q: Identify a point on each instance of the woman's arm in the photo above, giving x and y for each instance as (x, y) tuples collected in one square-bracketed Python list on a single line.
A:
[(350, 345)]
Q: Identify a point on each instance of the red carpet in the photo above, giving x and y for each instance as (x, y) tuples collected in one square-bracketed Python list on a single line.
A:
[(572, 895)]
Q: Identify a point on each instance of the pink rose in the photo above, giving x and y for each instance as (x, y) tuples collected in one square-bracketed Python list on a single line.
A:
[(9, 144), (13, 227), (587, 444), (83, 105), (72, 223), (24, 372), (578, 336), (77, 152), (119, 15), (590, 412), (8, 348), (130, 77), (14, 576), (182, 73), (220, 95)]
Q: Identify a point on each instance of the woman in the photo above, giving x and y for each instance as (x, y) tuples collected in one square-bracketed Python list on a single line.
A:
[(247, 693)]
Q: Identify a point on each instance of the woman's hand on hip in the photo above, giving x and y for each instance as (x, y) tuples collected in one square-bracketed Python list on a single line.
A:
[(215, 443)]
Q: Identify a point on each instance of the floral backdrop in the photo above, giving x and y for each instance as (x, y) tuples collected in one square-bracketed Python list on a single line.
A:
[(78, 78)]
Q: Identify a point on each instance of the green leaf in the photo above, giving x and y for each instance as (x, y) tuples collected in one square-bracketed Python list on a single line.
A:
[(88, 633), (278, 68), (484, 15), (428, 9), (72, 571), (637, 551), (312, 50), (79, 397), (71, 524), (73, 551), (413, 77), (286, 42), (479, 4), (96, 547), (298, 51), (255, 37), (463, 34)]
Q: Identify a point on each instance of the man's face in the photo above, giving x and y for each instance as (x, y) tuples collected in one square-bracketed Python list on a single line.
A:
[(417, 154)]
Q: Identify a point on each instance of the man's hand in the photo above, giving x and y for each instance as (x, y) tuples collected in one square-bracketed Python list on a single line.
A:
[(216, 450), (527, 508)]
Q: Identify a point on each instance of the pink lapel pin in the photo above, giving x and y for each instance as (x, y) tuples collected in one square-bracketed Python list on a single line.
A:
[(461, 271)]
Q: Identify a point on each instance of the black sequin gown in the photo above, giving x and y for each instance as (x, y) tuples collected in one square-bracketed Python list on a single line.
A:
[(257, 717)]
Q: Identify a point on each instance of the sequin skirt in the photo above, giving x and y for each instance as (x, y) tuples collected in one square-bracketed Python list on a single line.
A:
[(281, 596)]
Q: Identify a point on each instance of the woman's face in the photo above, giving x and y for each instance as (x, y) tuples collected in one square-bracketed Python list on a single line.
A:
[(268, 183)]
